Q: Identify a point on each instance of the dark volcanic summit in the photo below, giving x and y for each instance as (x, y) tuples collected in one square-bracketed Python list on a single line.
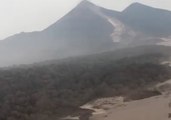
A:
[(84, 27)]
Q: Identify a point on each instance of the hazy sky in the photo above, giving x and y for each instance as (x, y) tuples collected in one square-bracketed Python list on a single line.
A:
[(33, 15)]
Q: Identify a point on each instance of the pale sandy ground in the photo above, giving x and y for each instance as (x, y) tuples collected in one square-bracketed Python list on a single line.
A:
[(166, 62), (70, 118), (165, 42), (154, 108)]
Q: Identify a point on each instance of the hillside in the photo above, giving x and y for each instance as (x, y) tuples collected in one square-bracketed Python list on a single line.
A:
[(57, 89)]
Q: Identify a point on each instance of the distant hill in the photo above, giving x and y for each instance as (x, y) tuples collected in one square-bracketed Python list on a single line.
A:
[(151, 21)]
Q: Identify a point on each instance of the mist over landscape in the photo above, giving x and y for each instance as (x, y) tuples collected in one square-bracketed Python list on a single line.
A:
[(93, 63)]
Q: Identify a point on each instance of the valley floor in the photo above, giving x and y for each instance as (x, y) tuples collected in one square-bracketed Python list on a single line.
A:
[(154, 108)]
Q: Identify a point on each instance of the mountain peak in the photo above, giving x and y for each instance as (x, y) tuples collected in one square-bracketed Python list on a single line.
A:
[(136, 6), (85, 3)]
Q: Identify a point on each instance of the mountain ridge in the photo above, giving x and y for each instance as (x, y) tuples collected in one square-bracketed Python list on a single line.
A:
[(87, 29)]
